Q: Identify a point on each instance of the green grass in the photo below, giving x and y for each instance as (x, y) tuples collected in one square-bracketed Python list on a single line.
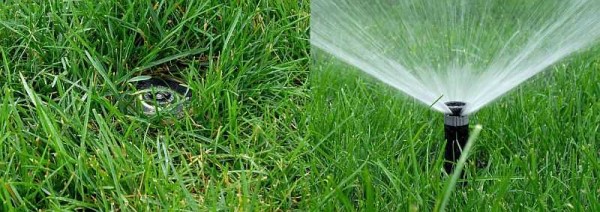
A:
[(538, 149), (261, 133), (71, 139)]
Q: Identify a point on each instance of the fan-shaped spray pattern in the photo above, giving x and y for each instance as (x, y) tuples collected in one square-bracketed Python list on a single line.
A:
[(471, 51)]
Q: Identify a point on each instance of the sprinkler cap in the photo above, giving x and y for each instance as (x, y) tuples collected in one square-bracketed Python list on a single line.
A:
[(456, 107), (456, 118), (162, 94)]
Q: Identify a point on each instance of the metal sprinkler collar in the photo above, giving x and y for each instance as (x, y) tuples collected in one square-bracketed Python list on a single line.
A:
[(164, 95)]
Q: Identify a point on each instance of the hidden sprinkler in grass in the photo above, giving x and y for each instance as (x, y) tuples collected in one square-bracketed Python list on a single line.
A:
[(156, 95), (456, 127)]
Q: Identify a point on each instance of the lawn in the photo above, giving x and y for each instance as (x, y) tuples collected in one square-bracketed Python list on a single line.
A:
[(538, 149), (260, 132), (71, 139)]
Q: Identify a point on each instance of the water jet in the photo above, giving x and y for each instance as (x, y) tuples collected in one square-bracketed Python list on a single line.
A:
[(423, 48), (462, 51)]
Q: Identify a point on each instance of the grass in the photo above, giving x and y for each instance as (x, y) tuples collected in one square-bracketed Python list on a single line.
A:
[(261, 134), (72, 140), (538, 149)]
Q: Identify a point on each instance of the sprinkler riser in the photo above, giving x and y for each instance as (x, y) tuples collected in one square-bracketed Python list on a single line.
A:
[(456, 140), (456, 130)]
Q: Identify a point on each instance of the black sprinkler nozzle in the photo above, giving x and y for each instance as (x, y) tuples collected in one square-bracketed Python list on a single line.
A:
[(456, 127)]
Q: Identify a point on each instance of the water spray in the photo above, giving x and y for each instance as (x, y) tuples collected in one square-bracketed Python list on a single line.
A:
[(456, 127)]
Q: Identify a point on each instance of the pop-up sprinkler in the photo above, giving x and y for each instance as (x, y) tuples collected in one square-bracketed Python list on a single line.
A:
[(456, 127), (162, 95)]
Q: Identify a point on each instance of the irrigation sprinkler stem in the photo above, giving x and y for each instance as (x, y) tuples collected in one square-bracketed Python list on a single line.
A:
[(451, 183), (456, 127)]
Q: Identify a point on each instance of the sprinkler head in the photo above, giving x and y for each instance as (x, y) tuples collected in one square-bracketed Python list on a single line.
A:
[(164, 95), (456, 107), (456, 127)]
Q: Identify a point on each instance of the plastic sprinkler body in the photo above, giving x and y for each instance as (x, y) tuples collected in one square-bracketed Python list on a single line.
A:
[(456, 127)]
